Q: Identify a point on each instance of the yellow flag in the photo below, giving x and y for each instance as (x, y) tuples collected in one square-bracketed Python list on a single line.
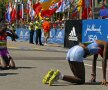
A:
[(56, 1), (80, 2), (46, 5)]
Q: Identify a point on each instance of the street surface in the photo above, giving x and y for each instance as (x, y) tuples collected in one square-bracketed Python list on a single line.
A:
[(32, 64)]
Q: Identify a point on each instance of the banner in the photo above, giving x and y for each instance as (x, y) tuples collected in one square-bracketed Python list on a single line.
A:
[(95, 30), (23, 34), (73, 33), (56, 35)]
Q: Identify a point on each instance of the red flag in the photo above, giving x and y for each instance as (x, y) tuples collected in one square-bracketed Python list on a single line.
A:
[(85, 13), (50, 12), (27, 8), (37, 8), (21, 11), (13, 15)]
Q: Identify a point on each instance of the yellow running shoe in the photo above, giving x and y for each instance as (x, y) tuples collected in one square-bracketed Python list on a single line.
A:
[(47, 76), (54, 77)]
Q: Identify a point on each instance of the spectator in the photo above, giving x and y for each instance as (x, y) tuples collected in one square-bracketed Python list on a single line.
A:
[(38, 26), (46, 28), (31, 28), (14, 29)]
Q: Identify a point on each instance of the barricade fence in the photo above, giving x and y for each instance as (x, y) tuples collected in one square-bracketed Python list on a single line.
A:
[(56, 35), (75, 31)]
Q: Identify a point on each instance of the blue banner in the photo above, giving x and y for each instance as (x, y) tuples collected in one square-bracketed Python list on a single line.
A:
[(56, 35), (95, 30), (23, 34)]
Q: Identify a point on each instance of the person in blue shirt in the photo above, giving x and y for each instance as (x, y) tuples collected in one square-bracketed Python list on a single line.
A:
[(75, 57)]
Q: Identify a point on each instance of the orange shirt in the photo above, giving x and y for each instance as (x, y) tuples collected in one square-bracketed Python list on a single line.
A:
[(46, 26)]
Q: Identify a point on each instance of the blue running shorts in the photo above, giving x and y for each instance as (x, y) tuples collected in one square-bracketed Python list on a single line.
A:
[(76, 53)]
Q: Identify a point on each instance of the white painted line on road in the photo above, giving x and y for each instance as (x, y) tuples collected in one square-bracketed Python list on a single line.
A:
[(96, 66)]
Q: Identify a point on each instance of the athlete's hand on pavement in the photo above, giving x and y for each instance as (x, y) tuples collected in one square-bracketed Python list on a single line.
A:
[(93, 80)]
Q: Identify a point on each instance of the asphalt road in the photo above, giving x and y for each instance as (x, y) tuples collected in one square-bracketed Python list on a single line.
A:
[(33, 64)]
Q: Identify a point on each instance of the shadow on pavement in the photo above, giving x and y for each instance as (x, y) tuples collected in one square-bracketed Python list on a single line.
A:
[(68, 84), (95, 83), (5, 74), (25, 67)]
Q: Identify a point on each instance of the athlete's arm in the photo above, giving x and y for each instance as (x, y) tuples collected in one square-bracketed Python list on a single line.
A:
[(93, 79), (104, 61)]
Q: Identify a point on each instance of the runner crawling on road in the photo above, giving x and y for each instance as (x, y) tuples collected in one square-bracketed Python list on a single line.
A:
[(75, 57), (6, 59)]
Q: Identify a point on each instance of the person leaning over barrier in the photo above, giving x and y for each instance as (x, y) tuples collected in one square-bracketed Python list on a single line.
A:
[(75, 57)]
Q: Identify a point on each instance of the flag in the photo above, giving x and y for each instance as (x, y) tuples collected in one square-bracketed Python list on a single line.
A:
[(67, 4), (37, 8), (28, 6), (48, 0), (56, 1), (14, 12), (62, 7), (44, 1), (87, 3), (71, 1), (8, 14), (32, 13), (53, 5), (46, 5), (87, 10), (80, 4), (21, 14), (50, 12)]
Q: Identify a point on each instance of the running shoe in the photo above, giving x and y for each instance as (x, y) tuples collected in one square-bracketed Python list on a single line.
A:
[(54, 77), (47, 76)]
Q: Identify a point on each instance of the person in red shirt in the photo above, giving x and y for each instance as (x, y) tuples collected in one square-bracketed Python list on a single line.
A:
[(46, 28)]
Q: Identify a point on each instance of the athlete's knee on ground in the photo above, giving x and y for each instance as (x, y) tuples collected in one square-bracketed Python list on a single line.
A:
[(82, 81)]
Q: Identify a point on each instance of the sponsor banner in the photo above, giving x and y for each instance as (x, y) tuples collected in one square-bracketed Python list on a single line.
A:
[(73, 33), (94, 30), (56, 35), (23, 34)]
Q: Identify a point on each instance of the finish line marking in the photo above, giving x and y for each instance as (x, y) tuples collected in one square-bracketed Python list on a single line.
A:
[(96, 66)]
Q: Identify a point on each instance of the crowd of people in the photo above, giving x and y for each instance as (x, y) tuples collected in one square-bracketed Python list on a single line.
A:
[(37, 26)]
